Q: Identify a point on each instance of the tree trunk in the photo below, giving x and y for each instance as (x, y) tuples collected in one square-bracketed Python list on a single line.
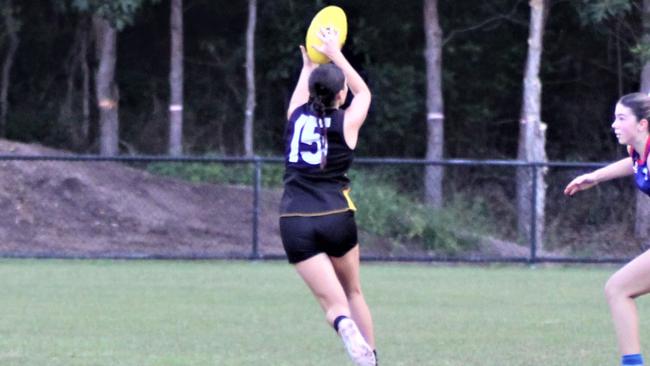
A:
[(176, 80), (532, 132), (85, 85), (250, 78), (66, 110), (76, 124), (642, 222), (105, 87), (10, 55), (435, 114)]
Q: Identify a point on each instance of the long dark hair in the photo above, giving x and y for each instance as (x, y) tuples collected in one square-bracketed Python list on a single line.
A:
[(324, 83)]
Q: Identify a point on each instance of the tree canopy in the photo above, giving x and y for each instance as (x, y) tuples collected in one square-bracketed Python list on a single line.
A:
[(591, 56)]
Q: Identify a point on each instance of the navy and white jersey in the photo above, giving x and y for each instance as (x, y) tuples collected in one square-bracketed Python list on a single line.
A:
[(308, 189), (641, 168)]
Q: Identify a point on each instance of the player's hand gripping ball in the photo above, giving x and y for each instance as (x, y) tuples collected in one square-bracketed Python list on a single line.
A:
[(331, 17)]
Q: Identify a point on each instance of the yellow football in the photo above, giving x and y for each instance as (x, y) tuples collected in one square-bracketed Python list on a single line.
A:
[(329, 17)]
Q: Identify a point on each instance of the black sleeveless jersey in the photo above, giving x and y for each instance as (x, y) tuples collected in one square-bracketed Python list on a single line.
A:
[(308, 189)]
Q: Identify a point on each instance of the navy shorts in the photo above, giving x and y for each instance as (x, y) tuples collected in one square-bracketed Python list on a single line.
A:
[(306, 236)]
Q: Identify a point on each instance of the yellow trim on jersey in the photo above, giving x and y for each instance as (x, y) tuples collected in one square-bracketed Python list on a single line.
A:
[(348, 199), (315, 213), (346, 194)]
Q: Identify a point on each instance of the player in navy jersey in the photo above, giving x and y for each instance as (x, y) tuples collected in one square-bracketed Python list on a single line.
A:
[(317, 224), (631, 119)]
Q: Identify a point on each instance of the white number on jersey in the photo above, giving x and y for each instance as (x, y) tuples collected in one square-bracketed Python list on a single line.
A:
[(306, 131)]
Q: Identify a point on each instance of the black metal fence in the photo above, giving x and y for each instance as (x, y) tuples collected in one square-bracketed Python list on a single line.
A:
[(594, 228)]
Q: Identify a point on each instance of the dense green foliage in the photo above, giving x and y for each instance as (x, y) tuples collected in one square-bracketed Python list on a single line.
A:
[(244, 174), (592, 54), (384, 210), (121, 12), (478, 206), (483, 61)]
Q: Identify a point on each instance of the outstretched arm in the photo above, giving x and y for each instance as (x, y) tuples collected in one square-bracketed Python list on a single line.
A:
[(615, 170), (300, 94), (356, 113)]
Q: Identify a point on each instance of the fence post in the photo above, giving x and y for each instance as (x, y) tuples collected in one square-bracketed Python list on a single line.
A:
[(257, 177), (533, 218)]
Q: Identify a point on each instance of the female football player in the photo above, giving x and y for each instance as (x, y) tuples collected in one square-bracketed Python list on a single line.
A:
[(317, 225), (630, 125)]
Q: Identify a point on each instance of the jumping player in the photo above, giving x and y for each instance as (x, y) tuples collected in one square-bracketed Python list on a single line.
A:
[(317, 223), (631, 119)]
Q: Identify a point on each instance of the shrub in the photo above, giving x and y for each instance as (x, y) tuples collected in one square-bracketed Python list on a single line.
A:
[(225, 173), (385, 208), (385, 212)]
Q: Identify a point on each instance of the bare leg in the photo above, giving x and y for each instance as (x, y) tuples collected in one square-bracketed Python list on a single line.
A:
[(318, 273), (622, 288), (347, 270)]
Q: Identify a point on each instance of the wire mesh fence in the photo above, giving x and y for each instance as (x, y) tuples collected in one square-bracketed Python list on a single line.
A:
[(83, 206)]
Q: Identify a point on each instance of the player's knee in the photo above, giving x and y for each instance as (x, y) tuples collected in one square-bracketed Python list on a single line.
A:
[(353, 291), (613, 288)]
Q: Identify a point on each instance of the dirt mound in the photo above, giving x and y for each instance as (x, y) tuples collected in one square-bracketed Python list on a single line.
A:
[(104, 209), (108, 209)]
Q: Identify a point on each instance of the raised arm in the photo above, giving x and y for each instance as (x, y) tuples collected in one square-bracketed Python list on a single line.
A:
[(615, 170), (300, 94), (356, 113)]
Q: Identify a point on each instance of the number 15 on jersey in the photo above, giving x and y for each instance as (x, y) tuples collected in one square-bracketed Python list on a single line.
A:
[(307, 132)]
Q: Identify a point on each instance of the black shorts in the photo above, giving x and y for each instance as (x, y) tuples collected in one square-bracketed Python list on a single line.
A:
[(305, 236)]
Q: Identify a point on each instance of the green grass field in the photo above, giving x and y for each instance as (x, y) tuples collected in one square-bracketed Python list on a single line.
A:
[(238, 313)]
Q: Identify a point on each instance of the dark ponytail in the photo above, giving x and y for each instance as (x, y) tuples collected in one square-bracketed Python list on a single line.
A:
[(324, 83)]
